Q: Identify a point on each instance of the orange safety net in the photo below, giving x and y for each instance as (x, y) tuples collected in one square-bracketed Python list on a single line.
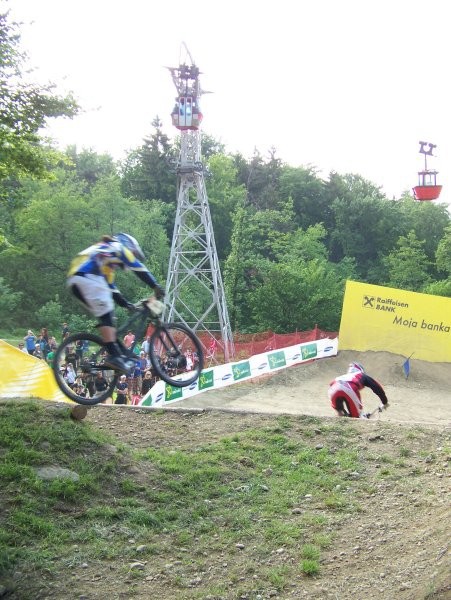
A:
[(250, 344)]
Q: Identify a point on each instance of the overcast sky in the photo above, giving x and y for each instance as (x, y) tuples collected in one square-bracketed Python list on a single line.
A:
[(350, 85)]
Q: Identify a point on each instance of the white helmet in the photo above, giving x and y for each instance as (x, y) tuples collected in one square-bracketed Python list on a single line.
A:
[(356, 367), (131, 243)]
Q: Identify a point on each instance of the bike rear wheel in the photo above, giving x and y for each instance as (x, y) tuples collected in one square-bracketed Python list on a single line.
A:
[(86, 353), (173, 347)]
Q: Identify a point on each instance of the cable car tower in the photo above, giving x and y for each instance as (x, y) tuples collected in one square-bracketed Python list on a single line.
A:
[(194, 287), (427, 188)]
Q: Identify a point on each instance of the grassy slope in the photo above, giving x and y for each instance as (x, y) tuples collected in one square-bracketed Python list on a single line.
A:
[(248, 513)]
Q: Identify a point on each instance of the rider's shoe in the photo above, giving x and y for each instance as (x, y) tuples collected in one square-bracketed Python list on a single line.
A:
[(119, 363)]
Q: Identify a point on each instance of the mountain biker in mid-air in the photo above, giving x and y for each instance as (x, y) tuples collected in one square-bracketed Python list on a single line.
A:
[(91, 279), (344, 392)]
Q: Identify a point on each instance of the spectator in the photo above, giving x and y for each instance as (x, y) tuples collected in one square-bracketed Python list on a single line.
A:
[(53, 343), (142, 361), (147, 382), (70, 375), (43, 341), (79, 388), (189, 360), (129, 339), (100, 384), (22, 348), (71, 357), (79, 349), (65, 331), (30, 342), (122, 390), (135, 381), (145, 346), (50, 356)]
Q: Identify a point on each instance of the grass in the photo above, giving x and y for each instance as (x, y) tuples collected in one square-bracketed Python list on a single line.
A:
[(13, 338), (248, 500)]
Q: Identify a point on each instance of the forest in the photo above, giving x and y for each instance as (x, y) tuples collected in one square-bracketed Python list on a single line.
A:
[(287, 239)]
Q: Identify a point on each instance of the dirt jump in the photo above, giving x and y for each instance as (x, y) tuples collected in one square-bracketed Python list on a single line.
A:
[(421, 398)]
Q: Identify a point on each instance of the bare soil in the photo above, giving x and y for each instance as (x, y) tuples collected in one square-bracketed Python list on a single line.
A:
[(395, 547)]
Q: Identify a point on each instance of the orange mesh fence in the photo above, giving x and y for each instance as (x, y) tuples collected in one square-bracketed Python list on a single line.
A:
[(247, 345)]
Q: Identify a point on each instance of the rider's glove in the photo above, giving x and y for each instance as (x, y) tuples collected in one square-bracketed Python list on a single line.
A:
[(159, 292), (132, 307)]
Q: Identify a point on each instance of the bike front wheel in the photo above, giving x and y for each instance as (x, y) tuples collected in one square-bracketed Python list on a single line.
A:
[(176, 354), (87, 381)]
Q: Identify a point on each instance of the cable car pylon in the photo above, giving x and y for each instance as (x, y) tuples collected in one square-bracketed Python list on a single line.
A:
[(194, 287)]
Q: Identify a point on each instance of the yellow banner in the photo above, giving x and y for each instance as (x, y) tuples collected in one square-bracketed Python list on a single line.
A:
[(24, 376), (398, 321)]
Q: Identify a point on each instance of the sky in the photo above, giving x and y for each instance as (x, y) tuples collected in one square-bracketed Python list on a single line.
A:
[(349, 86)]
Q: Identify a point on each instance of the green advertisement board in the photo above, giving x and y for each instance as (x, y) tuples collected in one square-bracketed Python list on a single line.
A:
[(241, 370), (206, 380), (309, 351), (277, 360)]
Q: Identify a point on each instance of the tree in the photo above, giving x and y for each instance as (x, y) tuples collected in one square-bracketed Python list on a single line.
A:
[(310, 202), (443, 254), (89, 167), (224, 195), (408, 266), (428, 220), (365, 229), (439, 288), (9, 300), (297, 295), (261, 178), (59, 220), (147, 173), (24, 111)]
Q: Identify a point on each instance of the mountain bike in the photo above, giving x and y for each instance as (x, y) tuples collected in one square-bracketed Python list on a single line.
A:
[(91, 381), (375, 412)]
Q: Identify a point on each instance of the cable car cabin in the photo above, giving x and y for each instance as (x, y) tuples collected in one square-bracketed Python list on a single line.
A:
[(186, 113), (427, 188)]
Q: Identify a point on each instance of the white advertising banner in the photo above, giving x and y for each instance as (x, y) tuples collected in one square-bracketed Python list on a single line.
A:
[(224, 375)]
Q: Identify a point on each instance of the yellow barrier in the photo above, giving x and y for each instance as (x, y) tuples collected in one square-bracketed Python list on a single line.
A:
[(24, 376), (398, 321)]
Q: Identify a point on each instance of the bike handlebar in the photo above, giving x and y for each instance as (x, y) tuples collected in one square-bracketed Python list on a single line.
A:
[(152, 304)]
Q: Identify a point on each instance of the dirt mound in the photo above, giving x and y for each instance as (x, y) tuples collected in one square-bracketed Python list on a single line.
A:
[(423, 397)]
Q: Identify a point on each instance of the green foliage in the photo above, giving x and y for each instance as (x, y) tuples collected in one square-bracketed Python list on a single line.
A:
[(438, 288), (9, 300), (443, 253), (408, 265), (224, 195), (50, 315), (58, 221), (287, 239), (297, 296), (307, 191), (147, 172), (24, 110)]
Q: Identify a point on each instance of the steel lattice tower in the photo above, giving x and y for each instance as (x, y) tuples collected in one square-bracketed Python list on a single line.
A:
[(194, 288)]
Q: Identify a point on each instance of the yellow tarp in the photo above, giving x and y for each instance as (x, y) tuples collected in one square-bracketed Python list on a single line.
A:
[(398, 321), (24, 376)]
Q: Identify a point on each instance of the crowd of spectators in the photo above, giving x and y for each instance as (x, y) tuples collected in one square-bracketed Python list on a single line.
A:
[(130, 388)]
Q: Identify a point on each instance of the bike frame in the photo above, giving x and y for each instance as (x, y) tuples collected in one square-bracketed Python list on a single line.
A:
[(138, 324)]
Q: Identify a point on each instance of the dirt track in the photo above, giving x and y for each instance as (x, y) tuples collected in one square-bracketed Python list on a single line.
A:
[(423, 398), (397, 544)]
